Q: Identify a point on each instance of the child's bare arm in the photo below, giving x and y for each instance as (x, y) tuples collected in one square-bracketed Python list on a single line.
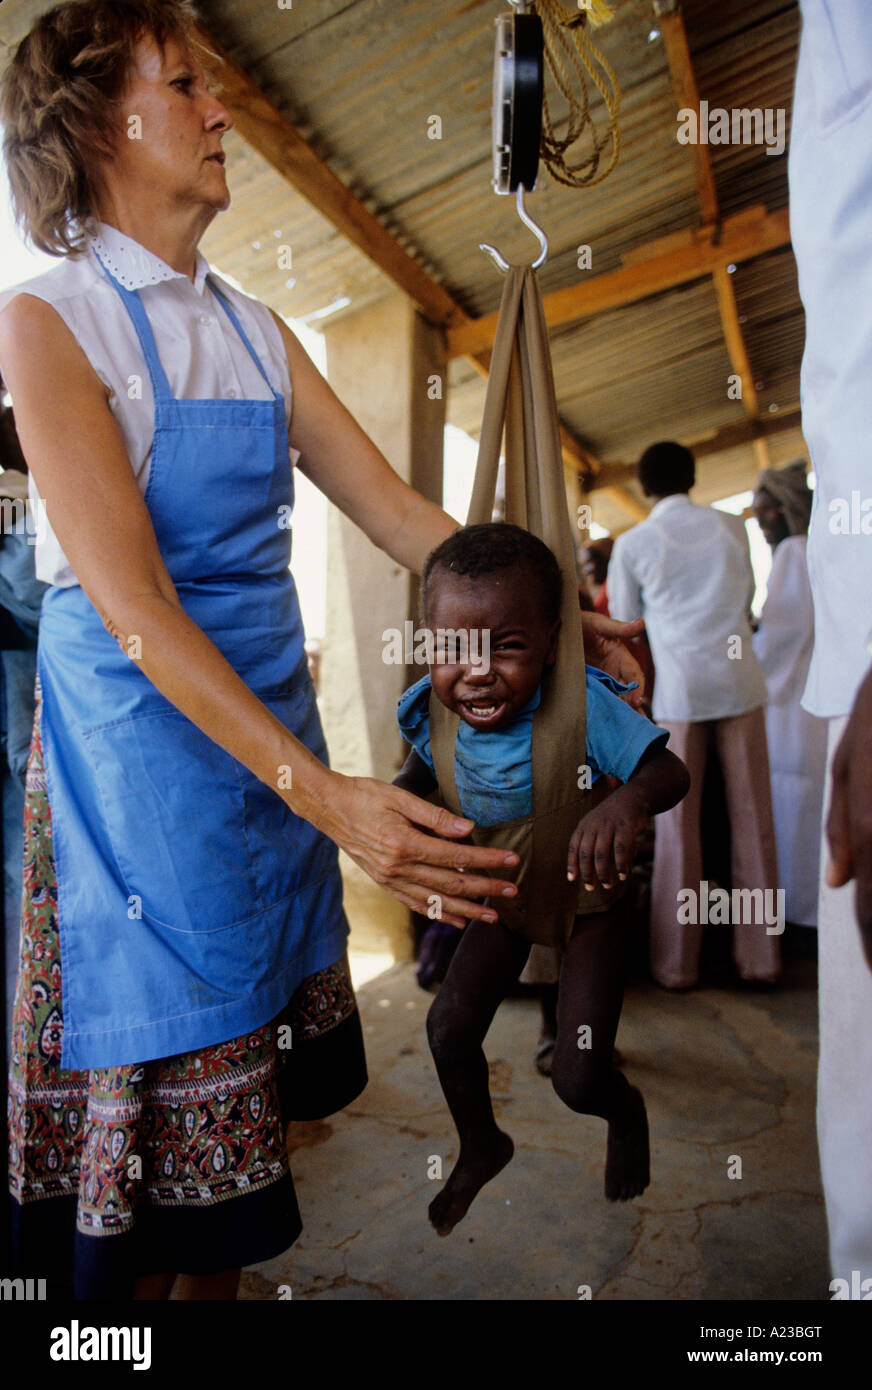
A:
[(415, 776), (604, 841)]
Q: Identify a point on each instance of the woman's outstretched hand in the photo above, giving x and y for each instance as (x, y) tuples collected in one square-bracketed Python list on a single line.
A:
[(405, 845)]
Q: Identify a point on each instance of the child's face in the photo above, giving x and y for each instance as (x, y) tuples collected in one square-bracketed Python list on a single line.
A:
[(508, 605)]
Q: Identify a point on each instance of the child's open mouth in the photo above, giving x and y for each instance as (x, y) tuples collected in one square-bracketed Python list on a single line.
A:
[(482, 711)]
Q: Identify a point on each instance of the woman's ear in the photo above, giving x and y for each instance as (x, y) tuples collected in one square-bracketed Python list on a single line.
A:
[(551, 652)]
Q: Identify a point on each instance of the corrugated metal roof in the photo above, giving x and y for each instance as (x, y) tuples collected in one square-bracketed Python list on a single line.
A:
[(361, 78)]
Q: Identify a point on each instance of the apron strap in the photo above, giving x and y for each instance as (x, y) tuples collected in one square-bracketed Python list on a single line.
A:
[(228, 308), (133, 304), (136, 310)]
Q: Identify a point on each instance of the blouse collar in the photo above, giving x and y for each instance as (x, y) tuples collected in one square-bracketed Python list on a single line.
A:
[(135, 267)]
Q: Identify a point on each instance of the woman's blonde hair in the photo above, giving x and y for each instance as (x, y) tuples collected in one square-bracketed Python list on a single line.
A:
[(59, 104)]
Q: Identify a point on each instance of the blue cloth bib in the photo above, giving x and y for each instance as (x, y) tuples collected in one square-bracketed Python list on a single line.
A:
[(191, 901)]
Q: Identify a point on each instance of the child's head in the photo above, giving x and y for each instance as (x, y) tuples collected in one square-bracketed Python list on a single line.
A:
[(498, 580)]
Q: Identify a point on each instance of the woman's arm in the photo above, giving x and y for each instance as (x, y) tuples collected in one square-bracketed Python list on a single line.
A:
[(75, 449), (341, 460)]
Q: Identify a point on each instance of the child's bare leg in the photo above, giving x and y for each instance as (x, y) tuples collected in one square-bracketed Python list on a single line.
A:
[(548, 1037), (486, 963), (583, 1073)]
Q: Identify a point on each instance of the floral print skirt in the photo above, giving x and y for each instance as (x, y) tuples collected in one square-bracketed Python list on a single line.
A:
[(175, 1165)]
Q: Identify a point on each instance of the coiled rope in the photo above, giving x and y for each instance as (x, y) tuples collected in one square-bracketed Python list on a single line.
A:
[(573, 58)]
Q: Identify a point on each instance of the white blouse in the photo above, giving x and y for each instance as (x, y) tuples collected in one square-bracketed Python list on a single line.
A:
[(200, 350)]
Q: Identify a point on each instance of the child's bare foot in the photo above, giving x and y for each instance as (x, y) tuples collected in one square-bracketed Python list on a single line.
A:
[(465, 1181), (627, 1156)]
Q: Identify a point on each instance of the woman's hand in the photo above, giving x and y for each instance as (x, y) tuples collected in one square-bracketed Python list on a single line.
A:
[(604, 647), (377, 826)]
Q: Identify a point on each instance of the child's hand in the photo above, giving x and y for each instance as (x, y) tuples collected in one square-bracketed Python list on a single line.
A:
[(603, 844)]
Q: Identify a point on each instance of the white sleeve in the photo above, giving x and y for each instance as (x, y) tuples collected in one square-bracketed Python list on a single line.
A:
[(625, 593)]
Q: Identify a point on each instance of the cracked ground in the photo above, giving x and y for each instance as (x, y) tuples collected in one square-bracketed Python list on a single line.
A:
[(734, 1210)]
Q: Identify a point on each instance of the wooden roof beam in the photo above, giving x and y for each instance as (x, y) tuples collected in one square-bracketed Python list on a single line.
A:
[(738, 352), (625, 500), (589, 468), (263, 126), (580, 465), (727, 437), (674, 36), (743, 236), (747, 431), (739, 359)]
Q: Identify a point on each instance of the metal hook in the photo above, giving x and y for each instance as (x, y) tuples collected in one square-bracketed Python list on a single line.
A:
[(528, 222)]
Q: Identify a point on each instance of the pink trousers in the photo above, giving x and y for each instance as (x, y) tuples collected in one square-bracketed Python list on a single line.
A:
[(675, 942)]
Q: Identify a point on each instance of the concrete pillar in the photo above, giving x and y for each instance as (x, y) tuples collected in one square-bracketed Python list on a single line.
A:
[(381, 362)]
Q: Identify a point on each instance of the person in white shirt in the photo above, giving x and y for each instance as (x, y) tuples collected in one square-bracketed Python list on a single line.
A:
[(831, 229), (783, 644), (687, 571)]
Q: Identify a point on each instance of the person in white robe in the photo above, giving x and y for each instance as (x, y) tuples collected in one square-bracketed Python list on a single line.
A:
[(783, 645)]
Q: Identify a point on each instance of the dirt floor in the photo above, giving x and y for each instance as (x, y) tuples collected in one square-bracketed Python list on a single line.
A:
[(734, 1210)]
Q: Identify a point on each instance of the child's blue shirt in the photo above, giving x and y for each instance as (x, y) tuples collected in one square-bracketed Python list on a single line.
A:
[(494, 770)]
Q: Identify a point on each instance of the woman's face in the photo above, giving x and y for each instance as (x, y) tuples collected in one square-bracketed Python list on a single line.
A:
[(168, 150)]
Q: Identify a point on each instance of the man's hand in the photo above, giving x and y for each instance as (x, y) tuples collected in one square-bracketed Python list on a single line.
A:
[(604, 647), (849, 824)]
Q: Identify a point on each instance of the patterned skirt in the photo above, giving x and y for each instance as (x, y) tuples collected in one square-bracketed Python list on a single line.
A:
[(170, 1166)]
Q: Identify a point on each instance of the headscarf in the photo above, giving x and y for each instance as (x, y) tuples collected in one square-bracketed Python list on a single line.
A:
[(792, 493)]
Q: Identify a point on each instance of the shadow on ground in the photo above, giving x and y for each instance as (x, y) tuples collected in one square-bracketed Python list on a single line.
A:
[(727, 1076)]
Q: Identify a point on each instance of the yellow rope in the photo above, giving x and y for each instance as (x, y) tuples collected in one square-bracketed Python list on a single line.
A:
[(572, 58)]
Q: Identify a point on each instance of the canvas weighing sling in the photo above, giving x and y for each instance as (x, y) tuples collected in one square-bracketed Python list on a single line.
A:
[(520, 396)]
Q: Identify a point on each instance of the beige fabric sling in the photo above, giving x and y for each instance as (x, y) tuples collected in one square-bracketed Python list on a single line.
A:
[(520, 394)]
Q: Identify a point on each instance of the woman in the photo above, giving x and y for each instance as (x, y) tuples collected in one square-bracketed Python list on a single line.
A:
[(783, 645), (188, 835)]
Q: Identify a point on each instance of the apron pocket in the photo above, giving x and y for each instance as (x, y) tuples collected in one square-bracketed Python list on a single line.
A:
[(175, 816)]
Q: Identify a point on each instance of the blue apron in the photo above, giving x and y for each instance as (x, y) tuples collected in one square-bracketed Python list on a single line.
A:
[(191, 901)]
